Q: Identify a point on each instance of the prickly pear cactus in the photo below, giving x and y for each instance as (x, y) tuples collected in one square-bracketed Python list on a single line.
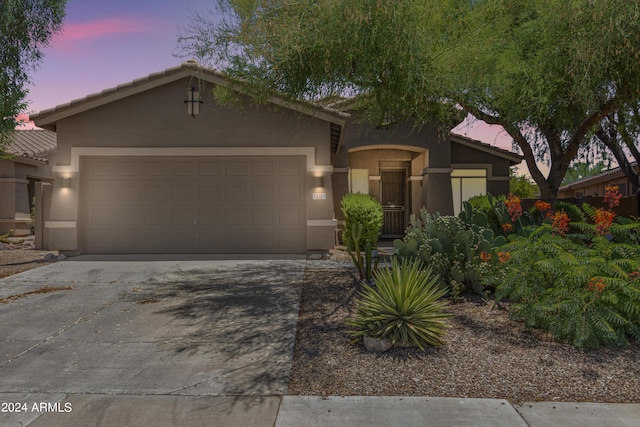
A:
[(456, 250)]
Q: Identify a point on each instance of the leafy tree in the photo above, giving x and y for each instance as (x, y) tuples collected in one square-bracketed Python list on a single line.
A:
[(620, 133), (521, 186), (394, 55), (548, 71), (579, 170), (26, 26)]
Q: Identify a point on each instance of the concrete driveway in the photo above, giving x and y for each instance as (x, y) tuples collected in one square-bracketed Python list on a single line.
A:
[(148, 342)]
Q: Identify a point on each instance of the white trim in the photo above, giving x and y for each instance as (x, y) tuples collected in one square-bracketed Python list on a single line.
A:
[(60, 224), (415, 178), (322, 222), (13, 181), (375, 178), (77, 152)]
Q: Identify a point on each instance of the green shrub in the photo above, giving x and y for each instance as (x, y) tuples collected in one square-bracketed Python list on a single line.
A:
[(404, 307), (588, 296), (573, 211), (363, 222)]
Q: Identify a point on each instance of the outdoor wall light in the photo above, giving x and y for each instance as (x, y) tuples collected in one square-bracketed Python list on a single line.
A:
[(319, 182), (66, 182), (193, 102)]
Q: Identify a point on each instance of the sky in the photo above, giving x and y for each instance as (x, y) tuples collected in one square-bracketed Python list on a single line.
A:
[(105, 43)]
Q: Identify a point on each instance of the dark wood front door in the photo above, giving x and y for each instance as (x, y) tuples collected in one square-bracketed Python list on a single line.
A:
[(393, 188)]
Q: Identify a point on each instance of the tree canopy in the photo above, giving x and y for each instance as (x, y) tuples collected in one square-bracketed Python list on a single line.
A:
[(548, 71), (26, 26)]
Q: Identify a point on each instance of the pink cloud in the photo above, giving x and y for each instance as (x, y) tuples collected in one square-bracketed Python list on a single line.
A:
[(105, 27), (480, 130)]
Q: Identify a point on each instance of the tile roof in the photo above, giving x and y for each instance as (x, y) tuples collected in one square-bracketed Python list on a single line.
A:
[(514, 157), (33, 144), (47, 118)]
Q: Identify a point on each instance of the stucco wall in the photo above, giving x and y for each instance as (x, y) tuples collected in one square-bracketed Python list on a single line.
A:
[(157, 120)]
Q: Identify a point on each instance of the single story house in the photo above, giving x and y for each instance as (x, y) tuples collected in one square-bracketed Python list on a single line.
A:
[(595, 185), (29, 152), (157, 166)]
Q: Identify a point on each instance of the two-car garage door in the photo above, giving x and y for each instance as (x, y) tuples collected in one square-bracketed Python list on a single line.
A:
[(193, 205)]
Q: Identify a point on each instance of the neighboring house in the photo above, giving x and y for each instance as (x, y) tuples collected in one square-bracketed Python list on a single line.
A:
[(595, 185), (28, 164), (154, 167)]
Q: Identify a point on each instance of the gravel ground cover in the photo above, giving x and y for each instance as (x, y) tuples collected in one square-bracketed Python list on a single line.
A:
[(20, 256), (486, 355)]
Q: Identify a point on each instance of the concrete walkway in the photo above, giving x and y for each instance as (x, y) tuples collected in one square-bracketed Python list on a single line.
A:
[(190, 341)]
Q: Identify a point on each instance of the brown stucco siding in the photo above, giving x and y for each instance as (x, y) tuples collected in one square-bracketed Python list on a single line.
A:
[(158, 118)]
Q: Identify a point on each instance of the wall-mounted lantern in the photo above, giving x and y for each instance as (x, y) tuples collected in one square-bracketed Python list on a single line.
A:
[(193, 102), (66, 182), (319, 182)]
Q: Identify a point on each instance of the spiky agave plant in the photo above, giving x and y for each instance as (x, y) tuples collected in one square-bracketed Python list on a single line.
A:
[(405, 306)]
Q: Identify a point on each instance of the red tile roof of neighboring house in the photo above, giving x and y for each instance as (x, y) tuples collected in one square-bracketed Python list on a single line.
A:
[(32, 144)]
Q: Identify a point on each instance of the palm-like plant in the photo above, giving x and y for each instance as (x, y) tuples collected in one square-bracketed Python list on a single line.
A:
[(405, 306)]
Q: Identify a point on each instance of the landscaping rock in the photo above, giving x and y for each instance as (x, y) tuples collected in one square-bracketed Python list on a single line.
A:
[(62, 257), (376, 344), (49, 257)]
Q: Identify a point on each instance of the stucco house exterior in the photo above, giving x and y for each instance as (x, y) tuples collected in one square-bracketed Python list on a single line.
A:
[(28, 166), (158, 166)]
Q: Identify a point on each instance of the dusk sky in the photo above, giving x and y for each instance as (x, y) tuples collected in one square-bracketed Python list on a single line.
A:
[(107, 43)]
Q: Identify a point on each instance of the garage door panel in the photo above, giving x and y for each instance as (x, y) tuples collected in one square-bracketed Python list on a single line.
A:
[(211, 215), (238, 168), (194, 205), (211, 167), (238, 216), (100, 215), (182, 168), (264, 192), (157, 167), (291, 168), (264, 216), (100, 168), (128, 191), (130, 215), (265, 167), (100, 191), (211, 192), (184, 192), (157, 215), (154, 192), (290, 241), (235, 192), (292, 215), (290, 192)]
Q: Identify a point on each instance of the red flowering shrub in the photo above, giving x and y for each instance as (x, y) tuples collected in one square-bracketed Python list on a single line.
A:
[(513, 207), (612, 196), (560, 223), (604, 220)]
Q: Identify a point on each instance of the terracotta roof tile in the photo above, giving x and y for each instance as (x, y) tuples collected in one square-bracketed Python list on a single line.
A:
[(33, 144)]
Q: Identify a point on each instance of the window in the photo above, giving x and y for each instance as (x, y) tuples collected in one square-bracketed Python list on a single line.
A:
[(466, 183), (359, 181)]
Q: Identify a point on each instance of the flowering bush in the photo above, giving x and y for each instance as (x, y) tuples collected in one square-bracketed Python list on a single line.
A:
[(588, 296), (544, 208), (603, 221), (560, 223), (612, 196), (513, 207)]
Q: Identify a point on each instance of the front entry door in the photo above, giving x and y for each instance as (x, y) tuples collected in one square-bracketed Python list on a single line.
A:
[(393, 186)]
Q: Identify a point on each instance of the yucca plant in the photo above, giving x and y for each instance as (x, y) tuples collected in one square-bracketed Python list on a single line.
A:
[(405, 306)]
